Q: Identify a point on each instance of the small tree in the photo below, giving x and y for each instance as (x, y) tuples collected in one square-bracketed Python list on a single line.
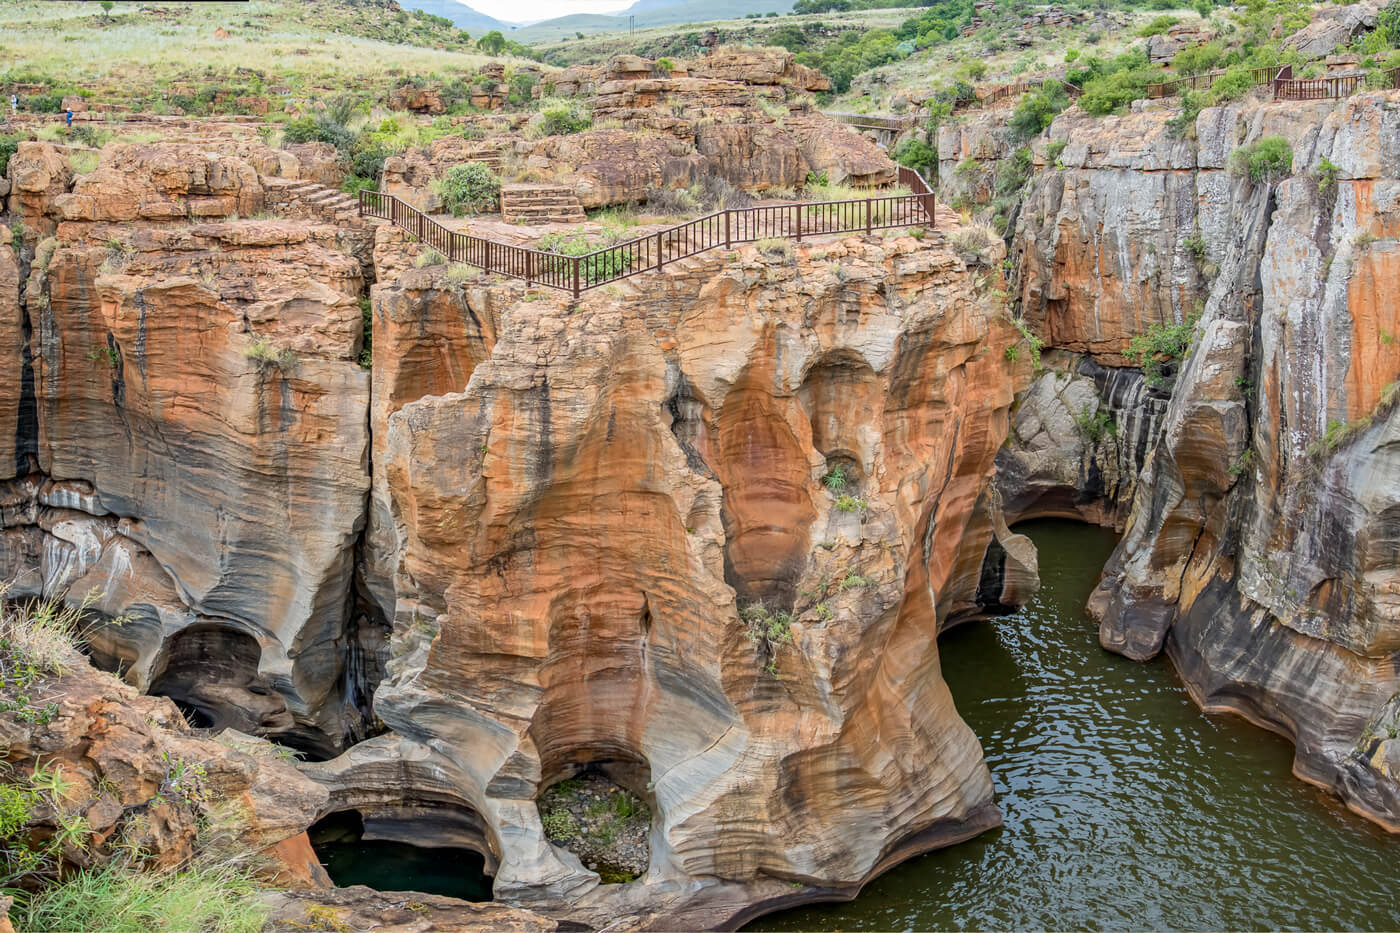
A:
[(492, 43), (107, 8), (468, 187)]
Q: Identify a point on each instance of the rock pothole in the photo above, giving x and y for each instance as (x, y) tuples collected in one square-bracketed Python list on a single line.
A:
[(604, 824)]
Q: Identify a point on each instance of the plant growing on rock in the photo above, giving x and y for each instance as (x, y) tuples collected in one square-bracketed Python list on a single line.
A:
[(428, 257), (1159, 345), (769, 630), (562, 117), (835, 479), (1267, 160), (471, 186), (847, 503), (268, 354), (1094, 426)]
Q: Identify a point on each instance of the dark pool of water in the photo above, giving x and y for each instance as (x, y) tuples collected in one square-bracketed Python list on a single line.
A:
[(1125, 806), (397, 866)]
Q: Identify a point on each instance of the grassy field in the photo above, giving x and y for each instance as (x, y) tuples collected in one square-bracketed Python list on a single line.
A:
[(326, 44), (681, 15), (684, 41)]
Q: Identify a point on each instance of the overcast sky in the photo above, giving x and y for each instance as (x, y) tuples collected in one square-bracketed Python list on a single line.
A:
[(516, 11)]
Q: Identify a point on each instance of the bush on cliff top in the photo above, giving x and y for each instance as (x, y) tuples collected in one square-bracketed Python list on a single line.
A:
[(468, 187), (1268, 159)]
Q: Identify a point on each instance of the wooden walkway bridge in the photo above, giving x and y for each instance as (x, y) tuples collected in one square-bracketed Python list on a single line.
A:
[(650, 253)]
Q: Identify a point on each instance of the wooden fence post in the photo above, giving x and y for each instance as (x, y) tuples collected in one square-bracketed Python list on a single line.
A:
[(798, 211), (576, 285), (658, 252), (726, 228), (867, 217), (529, 269)]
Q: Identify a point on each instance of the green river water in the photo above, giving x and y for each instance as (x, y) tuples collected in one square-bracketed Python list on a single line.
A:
[(1125, 806)]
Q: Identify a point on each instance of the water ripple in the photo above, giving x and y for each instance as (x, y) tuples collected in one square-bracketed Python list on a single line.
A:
[(1125, 807)]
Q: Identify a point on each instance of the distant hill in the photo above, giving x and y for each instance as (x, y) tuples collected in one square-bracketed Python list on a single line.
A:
[(647, 13), (462, 16)]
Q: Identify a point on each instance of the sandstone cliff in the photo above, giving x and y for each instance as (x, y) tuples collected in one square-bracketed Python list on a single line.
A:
[(699, 531), (1260, 546)]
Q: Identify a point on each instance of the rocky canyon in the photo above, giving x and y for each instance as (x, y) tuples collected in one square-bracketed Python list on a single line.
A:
[(358, 530)]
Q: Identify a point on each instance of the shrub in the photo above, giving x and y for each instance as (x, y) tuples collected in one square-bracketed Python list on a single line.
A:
[(1036, 110), (560, 118), (1197, 59), (1161, 344), (847, 503), (769, 630), (918, 155), (835, 478), (266, 353), (468, 187), (1112, 92), (429, 257), (1158, 26), (9, 145), (594, 269), (1326, 173), (1267, 160), (1014, 172), (1094, 426)]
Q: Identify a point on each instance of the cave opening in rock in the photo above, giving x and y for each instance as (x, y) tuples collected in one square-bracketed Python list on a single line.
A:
[(596, 816), (371, 848)]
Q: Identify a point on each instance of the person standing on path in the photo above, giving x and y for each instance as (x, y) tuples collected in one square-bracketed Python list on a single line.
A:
[(68, 117), (14, 103)]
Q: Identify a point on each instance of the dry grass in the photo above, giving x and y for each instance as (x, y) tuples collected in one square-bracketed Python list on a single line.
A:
[(158, 43)]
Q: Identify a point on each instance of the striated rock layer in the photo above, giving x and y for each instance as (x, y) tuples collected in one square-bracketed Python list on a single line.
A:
[(190, 439), (571, 536), (1262, 548)]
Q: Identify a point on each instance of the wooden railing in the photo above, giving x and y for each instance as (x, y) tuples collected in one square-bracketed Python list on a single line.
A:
[(577, 274), (1199, 82), (1287, 87), (999, 92), (1282, 83)]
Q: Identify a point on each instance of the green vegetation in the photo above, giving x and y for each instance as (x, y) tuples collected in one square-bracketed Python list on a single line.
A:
[(471, 186), (918, 155), (594, 269), (562, 117), (1326, 174), (209, 894), (1266, 160), (769, 630), (847, 503), (1036, 110), (1110, 86), (835, 479), (1161, 344), (267, 354), (1094, 426), (1033, 343), (169, 55)]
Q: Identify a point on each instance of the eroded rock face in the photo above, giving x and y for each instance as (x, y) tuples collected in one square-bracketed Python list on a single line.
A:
[(576, 528), (1261, 548), (191, 440), (116, 749)]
